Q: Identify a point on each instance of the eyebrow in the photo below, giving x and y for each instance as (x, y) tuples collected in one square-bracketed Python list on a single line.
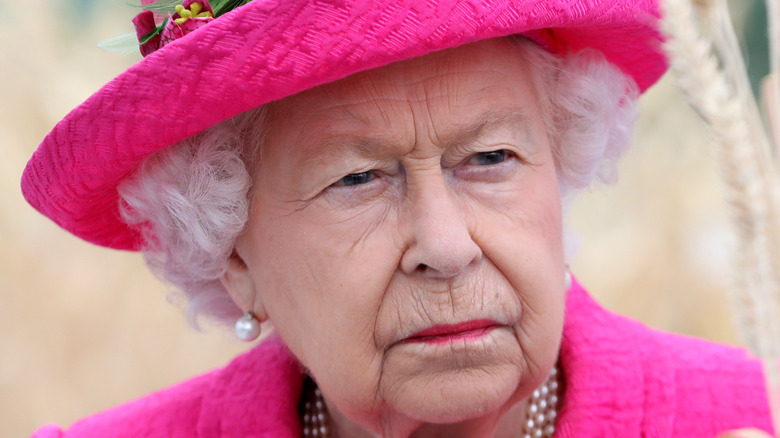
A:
[(490, 121), (375, 147)]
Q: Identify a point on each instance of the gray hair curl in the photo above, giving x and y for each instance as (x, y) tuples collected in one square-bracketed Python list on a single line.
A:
[(191, 200)]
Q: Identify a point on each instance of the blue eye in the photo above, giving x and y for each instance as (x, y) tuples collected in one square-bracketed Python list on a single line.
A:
[(356, 179), (491, 158)]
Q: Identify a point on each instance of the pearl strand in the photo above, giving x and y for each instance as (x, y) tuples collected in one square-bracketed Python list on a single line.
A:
[(540, 415), (543, 409), (315, 414)]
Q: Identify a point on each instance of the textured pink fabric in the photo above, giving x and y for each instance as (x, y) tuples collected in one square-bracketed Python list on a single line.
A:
[(623, 380), (269, 49)]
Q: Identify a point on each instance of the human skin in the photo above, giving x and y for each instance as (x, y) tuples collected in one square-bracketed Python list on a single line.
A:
[(745, 433), (419, 194)]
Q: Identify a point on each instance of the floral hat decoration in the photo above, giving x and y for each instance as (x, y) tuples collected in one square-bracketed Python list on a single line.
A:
[(208, 60), (179, 20)]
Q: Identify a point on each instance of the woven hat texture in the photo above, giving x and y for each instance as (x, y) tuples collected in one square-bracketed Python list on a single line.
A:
[(270, 49)]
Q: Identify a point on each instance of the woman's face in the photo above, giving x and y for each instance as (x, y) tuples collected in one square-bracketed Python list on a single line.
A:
[(405, 238)]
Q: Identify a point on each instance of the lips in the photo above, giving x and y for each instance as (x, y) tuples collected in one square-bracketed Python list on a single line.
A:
[(446, 333)]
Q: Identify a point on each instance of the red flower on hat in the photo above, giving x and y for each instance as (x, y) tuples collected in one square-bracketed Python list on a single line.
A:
[(147, 32), (189, 16)]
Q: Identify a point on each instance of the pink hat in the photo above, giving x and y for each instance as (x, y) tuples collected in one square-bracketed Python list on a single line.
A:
[(269, 49)]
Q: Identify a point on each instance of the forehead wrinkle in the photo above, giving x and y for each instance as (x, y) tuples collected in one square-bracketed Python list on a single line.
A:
[(386, 148), (488, 122), (340, 146)]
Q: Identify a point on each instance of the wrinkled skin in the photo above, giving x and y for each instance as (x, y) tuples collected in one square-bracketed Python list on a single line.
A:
[(419, 194)]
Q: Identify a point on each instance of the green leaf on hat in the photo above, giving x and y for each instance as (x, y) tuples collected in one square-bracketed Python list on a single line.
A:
[(161, 6), (164, 6), (145, 39), (124, 44), (222, 6)]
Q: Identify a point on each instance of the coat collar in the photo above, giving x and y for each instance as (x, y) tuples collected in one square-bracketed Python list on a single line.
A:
[(255, 396), (608, 390)]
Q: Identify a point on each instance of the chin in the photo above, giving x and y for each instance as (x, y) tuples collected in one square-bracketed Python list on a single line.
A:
[(460, 395)]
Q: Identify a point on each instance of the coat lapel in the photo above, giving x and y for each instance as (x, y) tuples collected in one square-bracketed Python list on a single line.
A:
[(255, 396), (609, 393)]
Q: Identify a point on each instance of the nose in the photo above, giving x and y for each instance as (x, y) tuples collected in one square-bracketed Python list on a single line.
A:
[(440, 243)]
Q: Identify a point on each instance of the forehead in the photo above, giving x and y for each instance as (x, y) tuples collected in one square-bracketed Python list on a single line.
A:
[(445, 73), (468, 85)]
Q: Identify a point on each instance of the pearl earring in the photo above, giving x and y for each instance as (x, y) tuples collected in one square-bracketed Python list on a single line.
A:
[(248, 327), (567, 278)]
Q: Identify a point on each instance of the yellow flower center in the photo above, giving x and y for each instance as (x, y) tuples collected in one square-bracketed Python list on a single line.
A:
[(193, 12)]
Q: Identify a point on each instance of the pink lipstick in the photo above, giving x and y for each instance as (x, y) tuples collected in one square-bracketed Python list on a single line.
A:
[(446, 333)]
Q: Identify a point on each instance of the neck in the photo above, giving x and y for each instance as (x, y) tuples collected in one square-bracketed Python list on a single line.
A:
[(507, 424), (515, 420)]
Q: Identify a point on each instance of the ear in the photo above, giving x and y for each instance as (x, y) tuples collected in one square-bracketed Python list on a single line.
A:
[(240, 285)]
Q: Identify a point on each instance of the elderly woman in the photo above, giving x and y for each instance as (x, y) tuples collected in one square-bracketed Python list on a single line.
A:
[(383, 182)]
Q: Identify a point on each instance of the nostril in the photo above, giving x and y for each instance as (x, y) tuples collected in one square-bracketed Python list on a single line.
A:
[(422, 267)]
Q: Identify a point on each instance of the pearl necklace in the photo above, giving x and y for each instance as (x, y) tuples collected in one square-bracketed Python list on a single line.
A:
[(540, 414), (315, 414), (543, 408)]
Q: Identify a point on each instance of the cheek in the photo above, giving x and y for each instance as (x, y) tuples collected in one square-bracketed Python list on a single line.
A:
[(523, 239), (521, 224), (324, 272), (323, 281)]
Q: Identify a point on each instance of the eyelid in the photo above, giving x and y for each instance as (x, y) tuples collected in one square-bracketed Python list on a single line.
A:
[(475, 157), (376, 176), (465, 157), (461, 153), (469, 171), (361, 194)]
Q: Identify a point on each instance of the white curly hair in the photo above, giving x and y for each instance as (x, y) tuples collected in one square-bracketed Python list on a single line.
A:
[(192, 200)]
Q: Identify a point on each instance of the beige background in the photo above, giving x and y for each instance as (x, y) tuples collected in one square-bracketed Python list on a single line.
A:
[(83, 328)]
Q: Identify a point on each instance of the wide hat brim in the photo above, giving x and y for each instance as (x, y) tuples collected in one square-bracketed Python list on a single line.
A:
[(270, 49)]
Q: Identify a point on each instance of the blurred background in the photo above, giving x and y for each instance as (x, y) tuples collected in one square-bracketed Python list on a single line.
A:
[(83, 328)]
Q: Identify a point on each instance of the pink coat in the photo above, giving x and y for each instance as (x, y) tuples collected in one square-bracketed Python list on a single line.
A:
[(622, 380)]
